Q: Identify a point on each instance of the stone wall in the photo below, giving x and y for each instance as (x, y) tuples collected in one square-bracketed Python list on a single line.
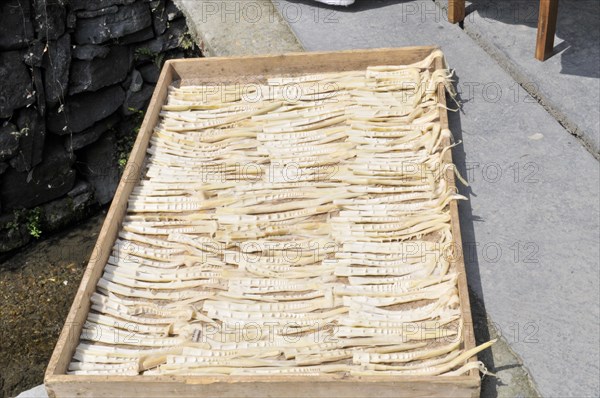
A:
[(75, 79)]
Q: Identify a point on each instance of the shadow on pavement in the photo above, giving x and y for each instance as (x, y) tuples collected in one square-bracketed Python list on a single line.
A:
[(577, 30)]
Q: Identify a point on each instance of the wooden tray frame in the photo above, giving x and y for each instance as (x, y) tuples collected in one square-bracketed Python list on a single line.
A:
[(59, 384)]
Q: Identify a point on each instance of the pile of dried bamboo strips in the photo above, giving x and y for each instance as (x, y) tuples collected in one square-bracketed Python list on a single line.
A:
[(297, 227)]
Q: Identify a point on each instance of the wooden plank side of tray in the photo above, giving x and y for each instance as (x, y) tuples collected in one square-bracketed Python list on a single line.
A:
[(69, 337), (240, 68), (245, 69), (271, 386)]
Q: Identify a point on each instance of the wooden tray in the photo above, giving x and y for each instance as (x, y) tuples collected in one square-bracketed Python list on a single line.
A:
[(249, 69)]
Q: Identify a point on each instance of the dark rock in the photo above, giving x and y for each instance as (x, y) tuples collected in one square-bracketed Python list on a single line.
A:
[(96, 13), (65, 211), (150, 73), (32, 133), (82, 196), (83, 202), (88, 52), (142, 35), (98, 163), (159, 16), (172, 11), (174, 54), (57, 214), (12, 235), (126, 20), (77, 141), (142, 55), (3, 167), (97, 4), (56, 64), (9, 141), (35, 53), (85, 138), (126, 129), (126, 83), (167, 41), (136, 81), (40, 90), (71, 20), (16, 29), (50, 18), (100, 72), (51, 179), (135, 101), (15, 83), (79, 188), (83, 110)]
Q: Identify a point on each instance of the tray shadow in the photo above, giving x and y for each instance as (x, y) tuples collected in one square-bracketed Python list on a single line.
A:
[(467, 219)]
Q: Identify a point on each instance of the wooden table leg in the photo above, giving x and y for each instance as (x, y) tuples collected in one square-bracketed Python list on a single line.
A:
[(546, 29), (456, 11)]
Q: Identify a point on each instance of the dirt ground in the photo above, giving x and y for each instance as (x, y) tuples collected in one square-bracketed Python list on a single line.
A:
[(37, 286)]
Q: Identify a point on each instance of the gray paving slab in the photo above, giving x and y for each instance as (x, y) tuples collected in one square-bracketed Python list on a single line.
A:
[(238, 27), (568, 83), (531, 226)]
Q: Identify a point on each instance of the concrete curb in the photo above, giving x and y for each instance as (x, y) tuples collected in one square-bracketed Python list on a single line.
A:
[(233, 28)]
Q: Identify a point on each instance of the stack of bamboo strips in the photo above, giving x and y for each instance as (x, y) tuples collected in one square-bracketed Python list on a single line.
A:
[(300, 226)]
